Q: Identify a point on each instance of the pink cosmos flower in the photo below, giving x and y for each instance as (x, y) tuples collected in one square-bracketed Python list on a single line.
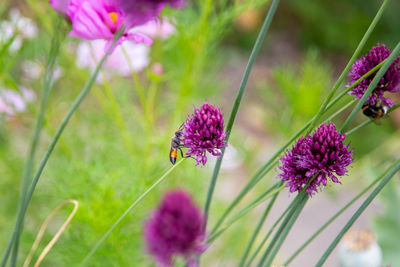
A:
[(98, 19)]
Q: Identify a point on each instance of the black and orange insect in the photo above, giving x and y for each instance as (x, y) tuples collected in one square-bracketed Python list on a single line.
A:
[(375, 111), (176, 144)]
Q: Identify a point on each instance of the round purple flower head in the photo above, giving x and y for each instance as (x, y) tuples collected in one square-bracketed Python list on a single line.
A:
[(389, 81), (316, 156), (175, 229), (204, 132)]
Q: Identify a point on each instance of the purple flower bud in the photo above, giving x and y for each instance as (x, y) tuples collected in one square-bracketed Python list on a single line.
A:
[(315, 156), (204, 132), (389, 82), (175, 229)]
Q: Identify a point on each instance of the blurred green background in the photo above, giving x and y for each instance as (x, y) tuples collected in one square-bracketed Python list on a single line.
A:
[(115, 147)]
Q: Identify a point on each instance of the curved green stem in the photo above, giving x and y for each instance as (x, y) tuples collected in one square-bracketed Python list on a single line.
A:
[(297, 202), (75, 105), (286, 231), (272, 191), (128, 210), (357, 214), (47, 85), (242, 87), (257, 229), (260, 246)]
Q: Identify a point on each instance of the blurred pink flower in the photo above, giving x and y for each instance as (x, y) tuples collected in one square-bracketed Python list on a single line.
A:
[(60, 5), (157, 28), (89, 54), (157, 68), (4, 108), (12, 102), (14, 99)]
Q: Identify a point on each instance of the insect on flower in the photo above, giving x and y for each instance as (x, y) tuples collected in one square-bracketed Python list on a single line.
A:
[(176, 144), (375, 111)]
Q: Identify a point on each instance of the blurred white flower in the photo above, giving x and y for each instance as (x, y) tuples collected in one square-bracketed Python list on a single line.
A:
[(16, 29), (28, 95), (231, 160), (25, 26), (89, 53), (359, 248), (31, 70)]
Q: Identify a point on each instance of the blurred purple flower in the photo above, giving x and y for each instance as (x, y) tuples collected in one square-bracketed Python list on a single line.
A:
[(204, 132), (175, 228), (389, 81), (317, 156)]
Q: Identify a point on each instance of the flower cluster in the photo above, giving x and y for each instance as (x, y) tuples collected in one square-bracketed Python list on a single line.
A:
[(388, 83), (175, 229), (15, 30), (314, 158), (101, 19), (204, 132)]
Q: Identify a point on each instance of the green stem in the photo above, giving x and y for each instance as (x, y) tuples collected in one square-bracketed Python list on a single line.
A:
[(371, 87), (333, 218), (357, 214), (272, 191), (286, 232), (260, 246), (242, 87), (257, 229), (297, 202), (47, 85), (351, 61), (115, 107), (340, 110), (75, 105), (136, 80), (128, 210), (147, 117)]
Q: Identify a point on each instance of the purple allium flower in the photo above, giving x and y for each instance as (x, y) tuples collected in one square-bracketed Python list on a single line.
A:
[(175, 229), (204, 132), (389, 81), (322, 155)]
